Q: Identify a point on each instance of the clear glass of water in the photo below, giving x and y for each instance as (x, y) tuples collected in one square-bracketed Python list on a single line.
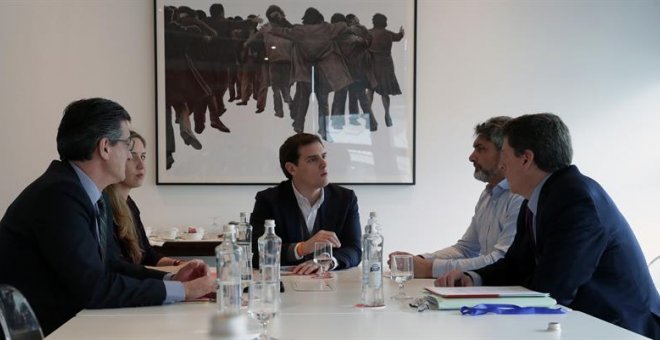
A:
[(264, 304), (323, 258), (401, 267)]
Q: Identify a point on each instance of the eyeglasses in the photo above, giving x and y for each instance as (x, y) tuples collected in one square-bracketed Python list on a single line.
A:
[(128, 142)]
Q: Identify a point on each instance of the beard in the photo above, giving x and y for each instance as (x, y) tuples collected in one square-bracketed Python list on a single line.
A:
[(483, 175)]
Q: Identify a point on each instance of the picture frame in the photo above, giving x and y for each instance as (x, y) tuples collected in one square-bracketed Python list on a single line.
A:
[(203, 137)]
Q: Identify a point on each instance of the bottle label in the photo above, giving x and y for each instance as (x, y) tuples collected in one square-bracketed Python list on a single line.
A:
[(375, 275)]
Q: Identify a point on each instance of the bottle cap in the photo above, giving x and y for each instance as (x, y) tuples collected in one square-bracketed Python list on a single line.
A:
[(373, 214), (554, 326), (229, 228), (269, 223)]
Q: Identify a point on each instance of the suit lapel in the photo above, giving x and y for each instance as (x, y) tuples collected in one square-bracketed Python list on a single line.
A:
[(292, 210), (88, 204)]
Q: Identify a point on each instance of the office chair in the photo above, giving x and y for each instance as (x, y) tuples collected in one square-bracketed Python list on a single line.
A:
[(17, 321), (654, 269)]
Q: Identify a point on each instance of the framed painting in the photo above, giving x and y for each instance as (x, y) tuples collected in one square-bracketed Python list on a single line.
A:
[(235, 78)]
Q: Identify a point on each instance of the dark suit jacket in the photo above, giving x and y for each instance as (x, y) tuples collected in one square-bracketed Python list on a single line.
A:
[(49, 251), (338, 213), (586, 256)]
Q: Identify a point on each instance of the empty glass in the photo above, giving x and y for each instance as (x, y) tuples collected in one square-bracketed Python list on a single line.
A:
[(264, 304), (401, 267), (323, 258)]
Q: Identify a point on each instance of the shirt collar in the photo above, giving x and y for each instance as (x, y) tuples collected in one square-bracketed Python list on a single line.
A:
[(90, 187), (533, 202), (498, 189), (303, 200)]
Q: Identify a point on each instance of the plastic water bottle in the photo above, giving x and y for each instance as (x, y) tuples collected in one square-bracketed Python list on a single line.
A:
[(244, 239), (229, 257), (270, 247), (372, 264)]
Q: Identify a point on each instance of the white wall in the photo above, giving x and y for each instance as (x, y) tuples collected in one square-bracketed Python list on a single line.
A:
[(595, 63)]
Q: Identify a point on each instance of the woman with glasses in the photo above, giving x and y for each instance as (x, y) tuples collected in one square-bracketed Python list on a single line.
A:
[(129, 230)]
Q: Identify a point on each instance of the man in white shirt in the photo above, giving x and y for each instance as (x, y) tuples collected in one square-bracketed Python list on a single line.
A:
[(307, 209), (493, 225)]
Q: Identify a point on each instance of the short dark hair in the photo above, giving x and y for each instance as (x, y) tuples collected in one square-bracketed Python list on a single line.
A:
[(84, 123), (312, 16), (185, 10), (337, 17), (290, 149), (272, 9), (351, 18), (492, 130), (379, 20), (545, 135), (217, 11)]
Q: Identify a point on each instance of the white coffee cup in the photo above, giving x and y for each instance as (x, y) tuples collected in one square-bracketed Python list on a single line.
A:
[(169, 233)]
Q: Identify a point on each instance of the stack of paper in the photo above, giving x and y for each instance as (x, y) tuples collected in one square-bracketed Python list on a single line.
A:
[(457, 297)]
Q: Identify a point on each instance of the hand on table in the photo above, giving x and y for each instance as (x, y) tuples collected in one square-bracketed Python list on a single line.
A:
[(423, 268), (305, 268), (200, 287), (192, 270), (455, 278), (396, 253)]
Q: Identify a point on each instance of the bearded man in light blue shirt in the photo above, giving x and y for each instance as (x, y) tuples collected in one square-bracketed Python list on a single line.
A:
[(493, 225)]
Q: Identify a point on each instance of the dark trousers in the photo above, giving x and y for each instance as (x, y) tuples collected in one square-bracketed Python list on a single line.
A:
[(301, 104)]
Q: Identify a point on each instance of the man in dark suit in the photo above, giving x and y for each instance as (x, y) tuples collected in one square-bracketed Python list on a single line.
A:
[(572, 241), (55, 239), (307, 209)]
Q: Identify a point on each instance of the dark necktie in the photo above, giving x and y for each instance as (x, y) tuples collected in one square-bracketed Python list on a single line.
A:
[(103, 226), (529, 226)]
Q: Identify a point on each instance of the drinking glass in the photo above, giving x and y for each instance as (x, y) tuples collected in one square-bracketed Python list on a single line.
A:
[(264, 304), (215, 230), (401, 267), (323, 258)]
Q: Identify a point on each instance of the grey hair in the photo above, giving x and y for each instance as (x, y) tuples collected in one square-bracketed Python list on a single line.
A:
[(493, 130)]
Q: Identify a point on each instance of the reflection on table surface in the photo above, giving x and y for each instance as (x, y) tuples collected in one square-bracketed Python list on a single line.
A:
[(332, 314)]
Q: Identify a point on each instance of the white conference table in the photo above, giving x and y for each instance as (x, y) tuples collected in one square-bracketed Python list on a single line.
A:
[(333, 315)]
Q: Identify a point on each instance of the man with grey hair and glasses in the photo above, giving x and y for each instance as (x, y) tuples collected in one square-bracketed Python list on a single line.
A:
[(493, 225), (56, 240)]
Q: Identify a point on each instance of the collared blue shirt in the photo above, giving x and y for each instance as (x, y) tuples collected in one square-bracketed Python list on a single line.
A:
[(532, 205), (92, 191), (489, 235), (174, 290)]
